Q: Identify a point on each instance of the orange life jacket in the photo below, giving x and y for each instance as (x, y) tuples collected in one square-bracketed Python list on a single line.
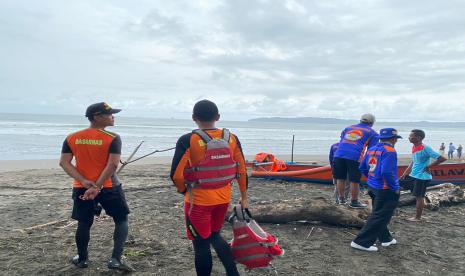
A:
[(277, 166), (251, 245), (264, 157)]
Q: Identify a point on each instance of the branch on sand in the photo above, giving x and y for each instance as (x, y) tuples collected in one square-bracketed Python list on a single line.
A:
[(315, 209), (28, 230)]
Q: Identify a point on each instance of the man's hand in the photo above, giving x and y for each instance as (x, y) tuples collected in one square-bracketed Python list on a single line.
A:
[(88, 183), (90, 194), (398, 192)]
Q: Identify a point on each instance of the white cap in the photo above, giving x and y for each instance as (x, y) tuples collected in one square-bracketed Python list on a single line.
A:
[(368, 118)]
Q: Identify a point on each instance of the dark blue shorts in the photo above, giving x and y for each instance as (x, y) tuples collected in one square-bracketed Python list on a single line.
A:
[(416, 186), (345, 168), (112, 200)]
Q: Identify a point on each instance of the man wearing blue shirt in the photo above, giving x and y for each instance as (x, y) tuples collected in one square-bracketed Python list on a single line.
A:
[(417, 176), (332, 150), (354, 140), (380, 167)]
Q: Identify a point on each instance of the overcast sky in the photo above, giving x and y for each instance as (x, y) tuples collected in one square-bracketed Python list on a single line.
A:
[(402, 60)]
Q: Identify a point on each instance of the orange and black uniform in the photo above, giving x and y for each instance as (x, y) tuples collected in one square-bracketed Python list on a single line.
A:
[(91, 148), (205, 218), (190, 149), (209, 206)]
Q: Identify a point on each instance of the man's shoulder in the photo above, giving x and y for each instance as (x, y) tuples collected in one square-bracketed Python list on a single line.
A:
[(389, 149), (185, 137), (234, 136), (428, 149), (426, 146), (108, 133), (78, 132)]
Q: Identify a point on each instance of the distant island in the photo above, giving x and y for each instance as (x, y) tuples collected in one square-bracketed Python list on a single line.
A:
[(303, 120), (316, 120)]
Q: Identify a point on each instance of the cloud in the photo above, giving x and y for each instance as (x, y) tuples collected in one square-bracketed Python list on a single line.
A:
[(254, 58)]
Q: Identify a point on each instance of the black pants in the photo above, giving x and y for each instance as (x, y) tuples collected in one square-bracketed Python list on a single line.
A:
[(203, 255), (384, 203)]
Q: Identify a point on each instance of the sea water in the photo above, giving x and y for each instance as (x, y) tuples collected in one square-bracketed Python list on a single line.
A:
[(34, 136)]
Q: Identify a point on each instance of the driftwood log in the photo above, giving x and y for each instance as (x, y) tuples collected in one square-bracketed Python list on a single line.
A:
[(446, 194), (444, 197), (324, 210), (314, 209)]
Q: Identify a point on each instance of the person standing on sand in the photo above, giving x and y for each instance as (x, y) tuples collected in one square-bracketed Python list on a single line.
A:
[(332, 150), (417, 176), (442, 149), (354, 140), (380, 167), (205, 207), (450, 152), (97, 154), (459, 152)]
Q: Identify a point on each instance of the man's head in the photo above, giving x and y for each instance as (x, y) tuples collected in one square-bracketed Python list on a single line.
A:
[(389, 135), (205, 111), (416, 136), (101, 114), (368, 119)]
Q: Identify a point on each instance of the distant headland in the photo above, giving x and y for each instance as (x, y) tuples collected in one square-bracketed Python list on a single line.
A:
[(317, 120)]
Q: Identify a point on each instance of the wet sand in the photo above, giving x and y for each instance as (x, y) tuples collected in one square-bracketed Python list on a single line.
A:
[(157, 244)]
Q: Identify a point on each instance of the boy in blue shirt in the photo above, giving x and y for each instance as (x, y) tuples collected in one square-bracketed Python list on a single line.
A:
[(417, 176), (380, 167)]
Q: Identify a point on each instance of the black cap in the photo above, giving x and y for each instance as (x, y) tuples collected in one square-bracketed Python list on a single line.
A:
[(100, 108)]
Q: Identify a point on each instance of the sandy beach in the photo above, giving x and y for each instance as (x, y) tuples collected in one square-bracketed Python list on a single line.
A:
[(38, 192)]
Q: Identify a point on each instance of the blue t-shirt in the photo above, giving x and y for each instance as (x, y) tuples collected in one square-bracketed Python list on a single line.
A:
[(380, 167), (332, 150), (354, 140), (421, 156)]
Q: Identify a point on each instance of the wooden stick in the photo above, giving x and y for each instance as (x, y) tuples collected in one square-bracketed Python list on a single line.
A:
[(310, 232), (68, 225), (349, 233), (129, 158), (27, 229)]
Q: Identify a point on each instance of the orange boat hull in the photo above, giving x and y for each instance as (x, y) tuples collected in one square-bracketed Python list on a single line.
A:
[(452, 173)]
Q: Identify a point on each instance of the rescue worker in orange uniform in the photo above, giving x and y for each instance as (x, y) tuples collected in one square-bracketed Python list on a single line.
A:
[(205, 208), (97, 154)]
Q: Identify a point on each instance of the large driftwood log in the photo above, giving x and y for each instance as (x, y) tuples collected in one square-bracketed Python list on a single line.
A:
[(444, 197), (407, 200), (446, 194), (324, 210), (315, 209)]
